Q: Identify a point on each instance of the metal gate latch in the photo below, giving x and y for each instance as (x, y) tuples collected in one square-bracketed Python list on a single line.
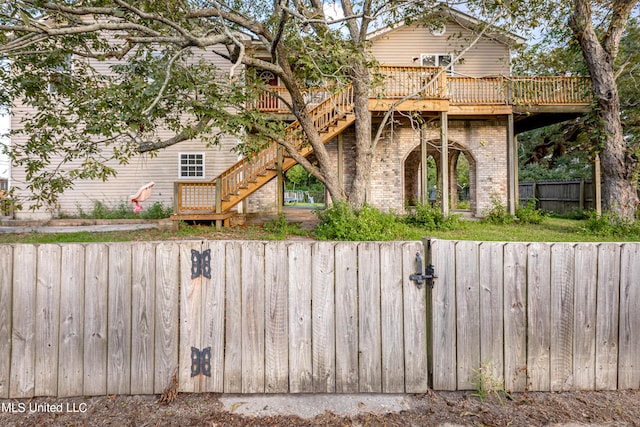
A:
[(429, 276), (201, 263), (201, 361)]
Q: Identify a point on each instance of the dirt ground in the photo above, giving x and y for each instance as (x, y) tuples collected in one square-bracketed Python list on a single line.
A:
[(620, 408)]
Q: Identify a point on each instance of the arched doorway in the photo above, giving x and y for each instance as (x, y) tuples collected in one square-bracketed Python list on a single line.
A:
[(419, 183)]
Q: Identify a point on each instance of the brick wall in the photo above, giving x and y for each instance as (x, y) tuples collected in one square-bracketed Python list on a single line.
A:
[(395, 170)]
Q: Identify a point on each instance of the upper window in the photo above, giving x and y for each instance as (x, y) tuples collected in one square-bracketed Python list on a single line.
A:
[(437, 60), (191, 165), (59, 73)]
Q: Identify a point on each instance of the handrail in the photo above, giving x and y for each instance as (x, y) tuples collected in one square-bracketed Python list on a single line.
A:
[(399, 82), (247, 170)]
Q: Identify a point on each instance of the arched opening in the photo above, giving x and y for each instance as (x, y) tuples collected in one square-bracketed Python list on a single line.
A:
[(462, 171)]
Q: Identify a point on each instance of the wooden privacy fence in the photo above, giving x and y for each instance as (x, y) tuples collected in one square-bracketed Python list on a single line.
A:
[(121, 318), (539, 316), (293, 317), (564, 196)]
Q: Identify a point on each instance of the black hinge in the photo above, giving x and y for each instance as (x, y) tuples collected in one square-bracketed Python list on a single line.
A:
[(429, 275), (201, 361), (201, 263)]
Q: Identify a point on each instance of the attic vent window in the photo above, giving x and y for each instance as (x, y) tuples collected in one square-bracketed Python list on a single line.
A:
[(438, 30)]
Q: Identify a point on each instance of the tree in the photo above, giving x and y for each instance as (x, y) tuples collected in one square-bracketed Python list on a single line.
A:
[(86, 117), (600, 51)]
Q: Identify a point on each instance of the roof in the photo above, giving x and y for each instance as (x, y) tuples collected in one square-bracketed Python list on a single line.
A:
[(466, 20)]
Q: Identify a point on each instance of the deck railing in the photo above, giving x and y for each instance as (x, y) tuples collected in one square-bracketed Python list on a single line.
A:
[(207, 196), (395, 83), (559, 90), (399, 82), (422, 82)]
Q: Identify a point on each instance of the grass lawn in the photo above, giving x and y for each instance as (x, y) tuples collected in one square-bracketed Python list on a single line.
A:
[(551, 230)]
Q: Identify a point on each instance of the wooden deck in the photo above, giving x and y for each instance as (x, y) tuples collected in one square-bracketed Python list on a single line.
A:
[(534, 101)]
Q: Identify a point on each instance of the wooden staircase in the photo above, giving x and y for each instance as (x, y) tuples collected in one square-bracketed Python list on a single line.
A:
[(214, 200)]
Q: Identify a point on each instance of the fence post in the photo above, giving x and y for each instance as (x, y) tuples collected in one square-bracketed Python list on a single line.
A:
[(582, 196), (534, 194)]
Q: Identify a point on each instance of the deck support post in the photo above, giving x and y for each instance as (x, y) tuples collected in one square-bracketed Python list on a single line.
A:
[(424, 182), (219, 202), (444, 162), (512, 166), (280, 181), (596, 184)]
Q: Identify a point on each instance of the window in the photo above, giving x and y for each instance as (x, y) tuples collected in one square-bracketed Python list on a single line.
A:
[(191, 165), (59, 74), (437, 60)]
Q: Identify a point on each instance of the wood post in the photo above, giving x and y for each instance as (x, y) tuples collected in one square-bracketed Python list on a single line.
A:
[(444, 163), (424, 185), (596, 180), (280, 180), (218, 202), (512, 165)]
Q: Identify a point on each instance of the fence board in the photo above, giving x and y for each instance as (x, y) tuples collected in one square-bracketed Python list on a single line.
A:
[(539, 316), (416, 362), (443, 308), (584, 329), (23, 350), (515, 317), (167, 314), (213, 324), (48, 319), (491, 259), (119, 323), (629, 347), (70, 366), (607, 301), (233, 315), (346, 280), (468, 313), (392, 318), (143, 318), (190, 316), (369, 334), (6, 262), (300, 356), (323, 318), (562, 314), (253, 317), (276, 319), (96, 297)]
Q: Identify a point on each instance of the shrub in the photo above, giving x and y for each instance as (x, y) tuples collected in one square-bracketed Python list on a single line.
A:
[(610, 224), (431, 218), (341, 222), (124, 210), (529, 214), (498, 213), (278, 229)]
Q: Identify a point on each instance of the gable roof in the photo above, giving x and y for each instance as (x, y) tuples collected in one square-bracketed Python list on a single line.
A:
[(495, 33)]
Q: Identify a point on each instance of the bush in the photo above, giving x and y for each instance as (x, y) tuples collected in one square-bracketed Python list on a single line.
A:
[(278, 229), (498, 213), (124, 210), (341, 222), (529, 214), (609, 224), (431, 218)]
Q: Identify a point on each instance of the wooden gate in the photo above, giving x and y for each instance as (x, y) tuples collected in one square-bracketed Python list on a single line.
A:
[(276, 317)]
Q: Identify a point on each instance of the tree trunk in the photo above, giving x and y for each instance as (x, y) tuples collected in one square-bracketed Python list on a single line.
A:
[(619, 193), (363, 150)]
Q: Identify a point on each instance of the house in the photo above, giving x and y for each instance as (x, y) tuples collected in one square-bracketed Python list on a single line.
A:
[(473, 109)]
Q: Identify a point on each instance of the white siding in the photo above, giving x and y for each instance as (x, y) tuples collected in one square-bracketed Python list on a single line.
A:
[(163, 169), (401, 46)]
